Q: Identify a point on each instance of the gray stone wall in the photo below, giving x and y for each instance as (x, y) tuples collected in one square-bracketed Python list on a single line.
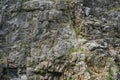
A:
[(59, 40)]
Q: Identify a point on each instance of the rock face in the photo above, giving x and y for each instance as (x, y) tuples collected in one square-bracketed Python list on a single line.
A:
[(59, 40)]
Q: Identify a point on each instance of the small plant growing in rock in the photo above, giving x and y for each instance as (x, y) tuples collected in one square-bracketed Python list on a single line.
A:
[(77, 30), (71, 78), (7, 76), (72, 50), (42, 71), (110, 75), (116, 8)]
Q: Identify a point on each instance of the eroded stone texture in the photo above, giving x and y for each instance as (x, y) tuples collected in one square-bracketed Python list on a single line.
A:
[(59, 39)]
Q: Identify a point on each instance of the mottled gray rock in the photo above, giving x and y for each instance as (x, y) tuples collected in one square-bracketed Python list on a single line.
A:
[(97, 24), (81, 41), (43, 16), (54, 15), (106, 28), (23, 77), (81, 66), (29, 71), (94, 45), (15, 79), (61, 5), (37, 5), (0, 18), (37, 36), (77, 56), (1, 70), (87, 11), (40, 66)]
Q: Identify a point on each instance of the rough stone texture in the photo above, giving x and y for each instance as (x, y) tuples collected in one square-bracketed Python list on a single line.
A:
[(59, 40)]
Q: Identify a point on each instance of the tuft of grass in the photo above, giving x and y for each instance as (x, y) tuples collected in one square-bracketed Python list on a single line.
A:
[(110, 76), (72, 50), (71, 78), (37, 77), (42, 71), (117, 8), (77, 30), (90, 72), (81, 48), (7, 76)]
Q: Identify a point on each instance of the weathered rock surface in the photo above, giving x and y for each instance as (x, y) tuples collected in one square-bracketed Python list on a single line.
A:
[(59, 40)]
